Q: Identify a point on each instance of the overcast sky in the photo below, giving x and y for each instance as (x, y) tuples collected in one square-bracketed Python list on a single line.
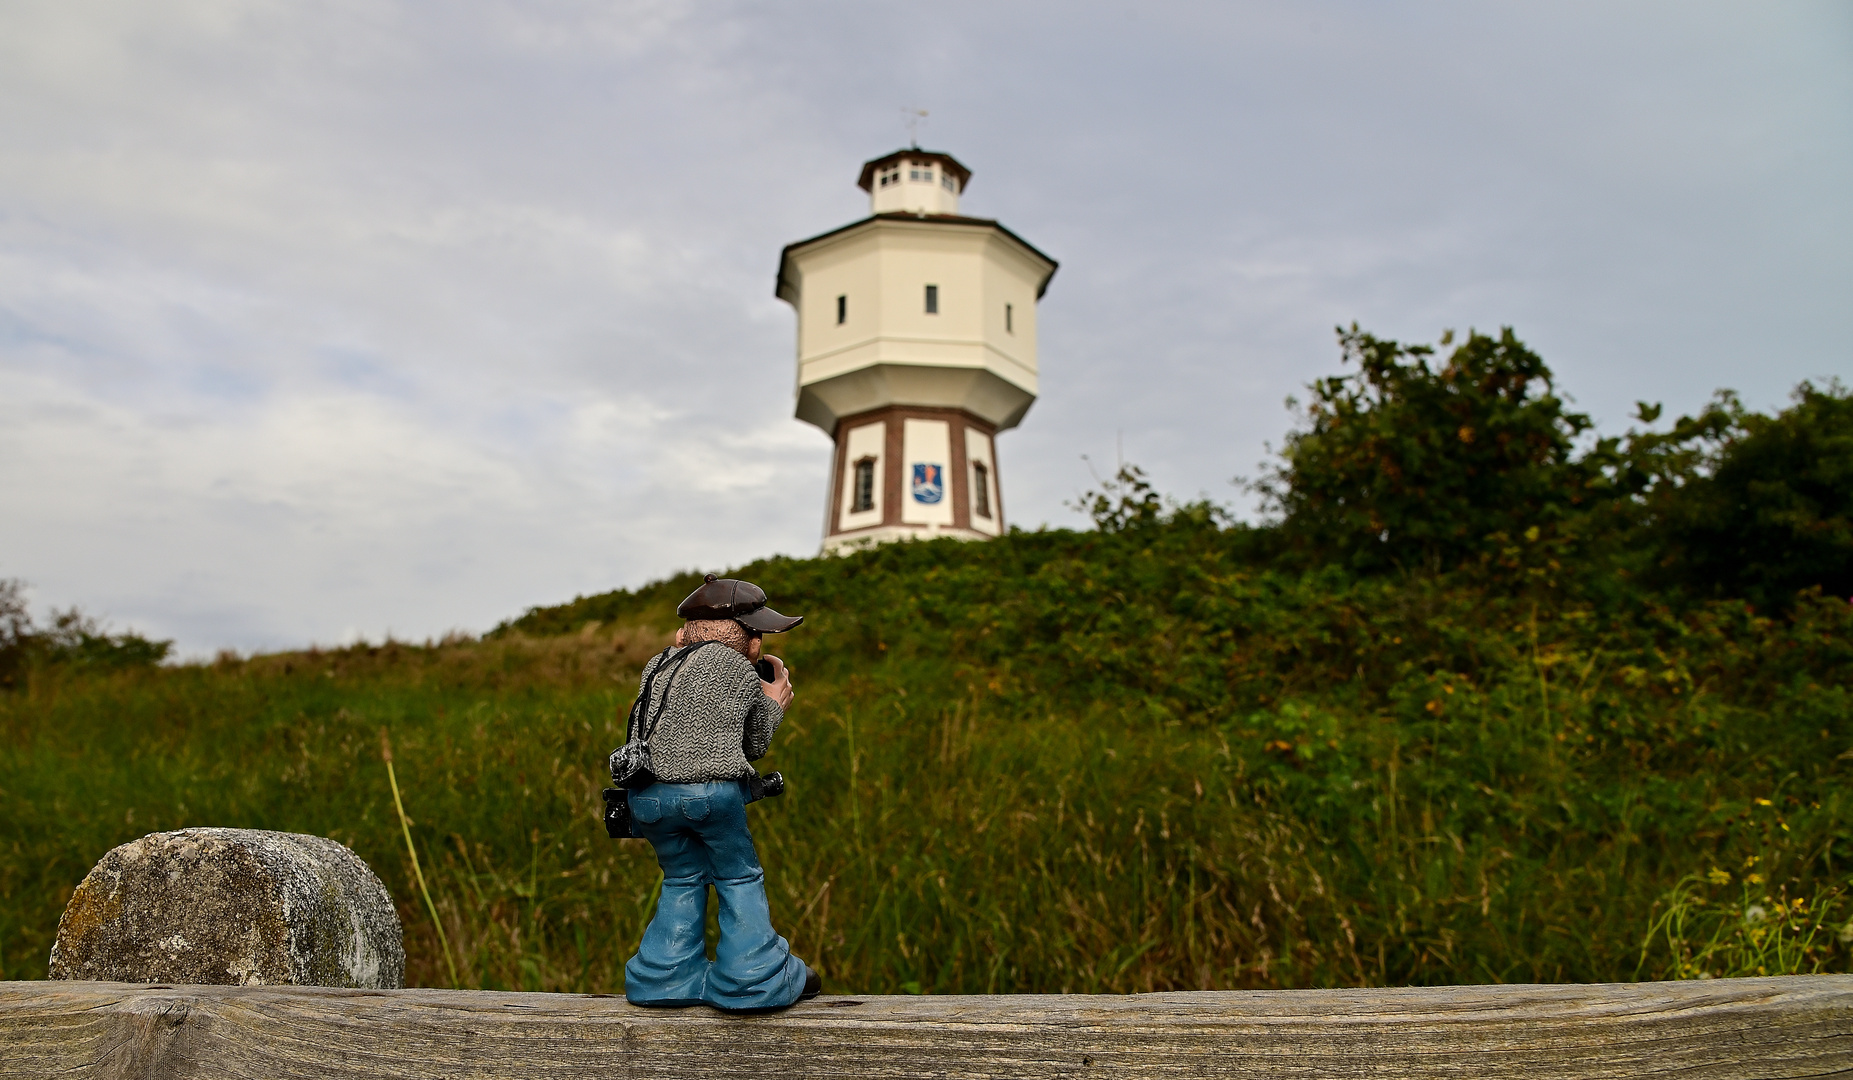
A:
[(331, 320)]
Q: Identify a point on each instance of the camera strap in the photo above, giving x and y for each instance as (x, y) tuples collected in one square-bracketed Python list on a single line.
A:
[(653, 716), (643, 697)]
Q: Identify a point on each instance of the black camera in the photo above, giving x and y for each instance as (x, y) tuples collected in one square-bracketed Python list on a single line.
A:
[(765, 787), (618, 813), (767, 673)]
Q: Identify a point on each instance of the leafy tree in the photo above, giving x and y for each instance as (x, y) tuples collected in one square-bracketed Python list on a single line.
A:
[(1765, 508), (1125, 501), (73, 638), (15, 631), (1412, 465)]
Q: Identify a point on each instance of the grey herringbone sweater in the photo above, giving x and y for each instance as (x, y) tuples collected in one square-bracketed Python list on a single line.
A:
[(716, 718)]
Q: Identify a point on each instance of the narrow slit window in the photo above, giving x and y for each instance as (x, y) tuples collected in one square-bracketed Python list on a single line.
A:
[(981, 490), (946, 181), (842, 310), (1010, 326), (864, 499), (932, 299)]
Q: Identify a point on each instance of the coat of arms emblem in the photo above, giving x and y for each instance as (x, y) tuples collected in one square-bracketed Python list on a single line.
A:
[(929, 483)]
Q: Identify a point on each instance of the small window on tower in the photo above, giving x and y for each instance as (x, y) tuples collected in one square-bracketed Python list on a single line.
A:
[(946, 181), (842, 309), (891, 175), (919, 173), (864, 498), (932, 300), (981, 490), (1009, 317)]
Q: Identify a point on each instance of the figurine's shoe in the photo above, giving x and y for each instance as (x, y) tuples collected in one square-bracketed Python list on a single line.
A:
[(813, 984)]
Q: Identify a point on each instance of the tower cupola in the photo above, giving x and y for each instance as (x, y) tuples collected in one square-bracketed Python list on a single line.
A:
[(914, 182)]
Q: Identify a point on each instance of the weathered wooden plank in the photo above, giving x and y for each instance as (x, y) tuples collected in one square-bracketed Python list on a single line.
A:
[(1729, 1028)]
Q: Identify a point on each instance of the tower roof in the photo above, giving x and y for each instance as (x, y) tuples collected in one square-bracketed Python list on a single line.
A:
[(946, 162), (784, 289)]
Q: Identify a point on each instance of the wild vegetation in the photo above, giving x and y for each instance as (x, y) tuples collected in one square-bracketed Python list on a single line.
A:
[(73, 640), (1488, 698)]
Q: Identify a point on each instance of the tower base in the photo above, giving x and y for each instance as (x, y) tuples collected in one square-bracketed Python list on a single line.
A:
[(909, 471), (849, 543)]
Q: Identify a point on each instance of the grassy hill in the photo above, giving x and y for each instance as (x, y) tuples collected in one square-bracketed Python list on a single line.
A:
[(1060, 761), (1171, 752)]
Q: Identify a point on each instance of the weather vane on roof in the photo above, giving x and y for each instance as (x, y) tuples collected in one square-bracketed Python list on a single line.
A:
[(916, 119)]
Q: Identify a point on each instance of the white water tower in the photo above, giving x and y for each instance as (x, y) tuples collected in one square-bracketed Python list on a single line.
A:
[(916, 346)]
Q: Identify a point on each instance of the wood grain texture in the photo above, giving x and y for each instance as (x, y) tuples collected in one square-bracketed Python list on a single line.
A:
[(1798, 1026)]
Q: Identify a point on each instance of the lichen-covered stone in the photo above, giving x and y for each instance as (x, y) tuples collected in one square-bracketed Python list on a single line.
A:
[(231, 906)]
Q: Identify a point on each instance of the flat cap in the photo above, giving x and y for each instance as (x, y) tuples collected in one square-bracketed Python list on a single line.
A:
[(741, 601)]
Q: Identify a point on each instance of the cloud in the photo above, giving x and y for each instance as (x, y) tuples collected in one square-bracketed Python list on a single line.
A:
[(327, 320)]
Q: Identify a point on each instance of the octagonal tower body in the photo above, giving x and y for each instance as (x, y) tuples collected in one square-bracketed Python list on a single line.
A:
[(916, 346)]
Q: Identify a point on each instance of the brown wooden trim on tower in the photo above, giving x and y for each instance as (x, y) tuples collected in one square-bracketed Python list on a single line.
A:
[(961, 490), (997, 483), (997, 486), (835, 501), (891, 450)]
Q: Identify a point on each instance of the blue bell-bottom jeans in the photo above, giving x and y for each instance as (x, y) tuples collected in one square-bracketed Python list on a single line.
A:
[(701, 839)]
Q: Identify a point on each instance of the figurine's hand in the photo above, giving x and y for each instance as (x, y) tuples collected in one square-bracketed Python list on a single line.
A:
[(778, 689)]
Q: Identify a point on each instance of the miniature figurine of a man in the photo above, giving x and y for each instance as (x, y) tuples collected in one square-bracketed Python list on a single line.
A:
[(714, 714)]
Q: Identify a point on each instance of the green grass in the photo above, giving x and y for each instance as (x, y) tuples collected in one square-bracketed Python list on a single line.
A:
[(1055, 762)]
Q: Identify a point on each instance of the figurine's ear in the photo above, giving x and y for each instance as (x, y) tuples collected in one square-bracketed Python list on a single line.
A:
[(755, 648), (681, 633)]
